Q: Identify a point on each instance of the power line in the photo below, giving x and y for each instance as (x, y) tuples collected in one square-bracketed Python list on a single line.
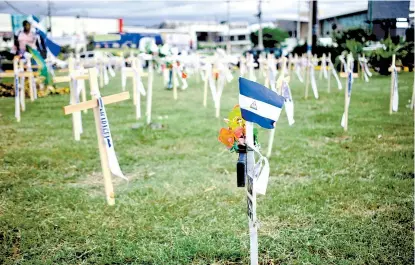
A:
[(15, 9)]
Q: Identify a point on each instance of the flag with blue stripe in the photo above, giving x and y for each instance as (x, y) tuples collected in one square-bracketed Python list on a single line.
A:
[(53, 48), (259, 104)]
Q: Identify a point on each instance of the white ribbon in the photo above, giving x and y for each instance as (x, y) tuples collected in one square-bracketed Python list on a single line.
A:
[(261, 172), (106, 78), (289, 103), (313, 81), (111, 70), (324, 65), (350, 72), (298, 72), (109, 144), (367, 69), (140, 86), (333, 71), (16, 94), (364, 72)]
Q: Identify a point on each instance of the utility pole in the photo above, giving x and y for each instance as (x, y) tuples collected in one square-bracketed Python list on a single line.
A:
[(298, 35), (260, 42), (310, 27), (315, 24), (228, 39), (49, 18), (370, 8)]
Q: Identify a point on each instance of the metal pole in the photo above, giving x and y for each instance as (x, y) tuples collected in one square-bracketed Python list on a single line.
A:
[(370, 16), (315, 24), (228, 40), (310, 27), (260, 42), (49, 18), (298, 35)]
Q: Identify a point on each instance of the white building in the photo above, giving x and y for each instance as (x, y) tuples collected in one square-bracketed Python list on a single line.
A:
[(239, 39), (69, 30), (211, 34)]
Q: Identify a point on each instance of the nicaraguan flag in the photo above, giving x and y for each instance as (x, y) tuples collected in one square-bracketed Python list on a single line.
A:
[(259, 104), (52, 47)]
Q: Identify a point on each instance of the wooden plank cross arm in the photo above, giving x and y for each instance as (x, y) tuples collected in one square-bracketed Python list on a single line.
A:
[(344, 75), (93, 104)]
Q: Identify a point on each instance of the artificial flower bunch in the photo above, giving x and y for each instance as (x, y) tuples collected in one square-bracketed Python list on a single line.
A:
[(234, 135)]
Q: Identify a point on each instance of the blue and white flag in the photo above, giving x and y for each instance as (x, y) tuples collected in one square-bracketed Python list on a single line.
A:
[(51, 46), (259, 104)]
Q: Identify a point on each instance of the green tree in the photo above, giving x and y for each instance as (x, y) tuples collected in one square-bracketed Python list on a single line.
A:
[(271, 37)]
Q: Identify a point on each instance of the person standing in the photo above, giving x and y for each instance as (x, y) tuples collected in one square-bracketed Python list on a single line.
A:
[(25, 37)]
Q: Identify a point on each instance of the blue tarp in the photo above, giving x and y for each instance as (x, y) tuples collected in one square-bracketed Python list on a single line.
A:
[(128, 39)]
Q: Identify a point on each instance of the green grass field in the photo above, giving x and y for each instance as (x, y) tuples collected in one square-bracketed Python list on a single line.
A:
[(333, 197)]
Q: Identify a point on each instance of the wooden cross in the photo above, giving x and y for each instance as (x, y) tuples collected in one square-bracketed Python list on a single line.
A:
[(93, 104), (279, 91), (390, 69), (18, 72), (72, 79), (129, 72)]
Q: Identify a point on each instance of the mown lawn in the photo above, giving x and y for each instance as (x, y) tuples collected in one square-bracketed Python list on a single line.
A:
[(333, 197)]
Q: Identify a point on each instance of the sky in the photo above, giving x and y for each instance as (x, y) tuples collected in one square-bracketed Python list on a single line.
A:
[(151, 12)]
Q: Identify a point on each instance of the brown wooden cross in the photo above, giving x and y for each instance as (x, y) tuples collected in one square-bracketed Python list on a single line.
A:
[(93, 104)]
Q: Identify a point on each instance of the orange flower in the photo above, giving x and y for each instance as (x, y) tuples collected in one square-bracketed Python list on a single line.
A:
[(226, 137)]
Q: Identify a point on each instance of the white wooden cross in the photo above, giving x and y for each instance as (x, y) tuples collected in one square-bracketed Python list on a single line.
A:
[(103, 133), (19, 75), (278, 89), (76, 80), (251, 64)]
